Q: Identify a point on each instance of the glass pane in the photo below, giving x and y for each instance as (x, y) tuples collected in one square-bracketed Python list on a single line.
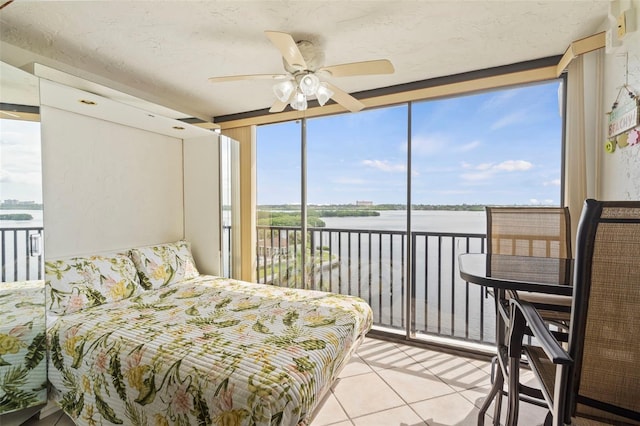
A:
[(278, 197), (495, 148), (23, 364), (229, 198), (21, 203), (357, 179)]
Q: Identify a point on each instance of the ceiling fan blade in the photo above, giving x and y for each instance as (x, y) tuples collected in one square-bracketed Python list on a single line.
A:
[(380, 66), (288, 48), (247, 77), (345, 99), (278, 106)]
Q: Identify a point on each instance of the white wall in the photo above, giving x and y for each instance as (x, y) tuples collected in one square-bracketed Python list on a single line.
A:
[(202, 202), (107, 186), (114, 177), (620, 171)]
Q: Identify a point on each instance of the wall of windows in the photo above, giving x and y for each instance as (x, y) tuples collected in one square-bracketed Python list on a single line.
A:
[(392, 195), (501, 147)]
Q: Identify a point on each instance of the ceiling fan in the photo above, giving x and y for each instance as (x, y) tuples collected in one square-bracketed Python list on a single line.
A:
[(306, 73)]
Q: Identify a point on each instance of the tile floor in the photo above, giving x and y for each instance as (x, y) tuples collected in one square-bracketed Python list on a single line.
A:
[(389, 384)]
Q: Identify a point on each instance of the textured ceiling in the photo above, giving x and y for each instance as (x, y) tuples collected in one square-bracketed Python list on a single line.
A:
[(166, 50)]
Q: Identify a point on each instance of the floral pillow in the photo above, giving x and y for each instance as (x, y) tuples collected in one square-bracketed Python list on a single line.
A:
[(164, 264), (82, 282)]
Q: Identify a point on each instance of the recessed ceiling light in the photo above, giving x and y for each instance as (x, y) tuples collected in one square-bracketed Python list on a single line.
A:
[(87, 102)]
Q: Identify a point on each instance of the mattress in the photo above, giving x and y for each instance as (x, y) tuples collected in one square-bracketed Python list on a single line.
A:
[(204, 351)]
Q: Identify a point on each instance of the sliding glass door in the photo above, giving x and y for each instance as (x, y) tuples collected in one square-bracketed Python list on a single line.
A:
[(392, 195), (502, 147), (356, 188), (279, 215)]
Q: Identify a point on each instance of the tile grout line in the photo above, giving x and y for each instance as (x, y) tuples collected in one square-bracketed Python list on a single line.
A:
[(406, 403)]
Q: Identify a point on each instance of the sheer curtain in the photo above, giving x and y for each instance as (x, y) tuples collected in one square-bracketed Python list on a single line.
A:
[(583, 134)]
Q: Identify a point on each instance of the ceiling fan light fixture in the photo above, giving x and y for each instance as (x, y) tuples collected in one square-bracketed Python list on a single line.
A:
[(299, 101), (284, 90), (309, 84), (323, 93)]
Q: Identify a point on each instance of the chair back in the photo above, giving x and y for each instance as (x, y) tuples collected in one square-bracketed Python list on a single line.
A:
[(529, 231), (604, 339)]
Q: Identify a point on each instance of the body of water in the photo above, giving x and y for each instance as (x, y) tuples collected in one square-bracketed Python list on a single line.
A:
[(35, 222), (370, 262), (467, 222), (18, 265)]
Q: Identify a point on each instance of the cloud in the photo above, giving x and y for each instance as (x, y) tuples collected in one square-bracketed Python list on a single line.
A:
[(499, 99), (536, 202), (554, 182), (474, 177), (515, 117), (484, 166), (485, 171), (384, 165), (428, 145), (514, 165), (27, 178), (349, 181), (468, 146), (20, 161)]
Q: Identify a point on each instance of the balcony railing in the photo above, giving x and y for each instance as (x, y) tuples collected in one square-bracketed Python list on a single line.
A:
[(16, 246), (372, 264)]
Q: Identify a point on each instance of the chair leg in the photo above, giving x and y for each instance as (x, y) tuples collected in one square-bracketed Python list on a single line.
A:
[(548, 419), (497, 412), (514, 391), (494, 361), (494, 394)]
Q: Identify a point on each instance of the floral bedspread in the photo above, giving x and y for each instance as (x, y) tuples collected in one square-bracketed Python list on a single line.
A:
[(23, 369), (204, 351)]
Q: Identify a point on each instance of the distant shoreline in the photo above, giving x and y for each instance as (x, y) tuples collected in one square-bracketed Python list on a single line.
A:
[(30, 206), (16, 216), (374, 207)]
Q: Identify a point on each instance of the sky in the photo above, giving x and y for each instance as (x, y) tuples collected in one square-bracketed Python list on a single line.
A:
[(20, 161), (499, 147)]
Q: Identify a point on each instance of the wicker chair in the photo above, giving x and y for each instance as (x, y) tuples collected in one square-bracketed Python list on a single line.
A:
[(598, 380), (529, 231), (532, 231)]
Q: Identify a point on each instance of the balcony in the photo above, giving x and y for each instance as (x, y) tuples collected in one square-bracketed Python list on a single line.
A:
[(373, 265), (370, 264), (15, 254)]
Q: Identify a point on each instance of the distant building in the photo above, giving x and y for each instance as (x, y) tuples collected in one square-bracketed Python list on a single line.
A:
[(364, 203), (18, 203), (270, 248)]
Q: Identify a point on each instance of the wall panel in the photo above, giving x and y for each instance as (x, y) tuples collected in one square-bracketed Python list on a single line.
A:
[(107, 186), (202, 201)]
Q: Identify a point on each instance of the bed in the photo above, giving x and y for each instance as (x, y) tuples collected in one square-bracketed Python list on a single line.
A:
[(141, 338), (23, 372)]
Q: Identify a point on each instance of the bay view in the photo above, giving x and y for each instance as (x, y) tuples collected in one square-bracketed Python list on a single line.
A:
[(473, 222), (367, 257), (14, 238), (364, 256), (35, 222)]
